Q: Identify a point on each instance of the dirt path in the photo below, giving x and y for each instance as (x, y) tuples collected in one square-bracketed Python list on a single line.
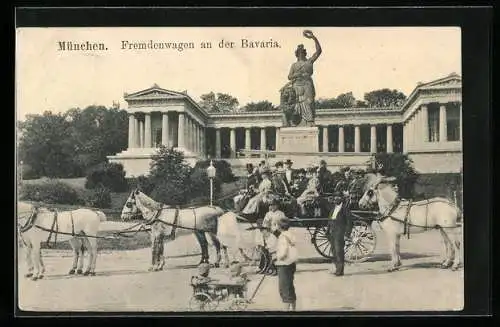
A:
[(122, 282)]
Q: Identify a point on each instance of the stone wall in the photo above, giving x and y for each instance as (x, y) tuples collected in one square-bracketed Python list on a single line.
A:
[(439, 162)]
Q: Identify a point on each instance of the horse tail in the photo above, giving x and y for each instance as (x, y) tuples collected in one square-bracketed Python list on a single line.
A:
[(101, 215)]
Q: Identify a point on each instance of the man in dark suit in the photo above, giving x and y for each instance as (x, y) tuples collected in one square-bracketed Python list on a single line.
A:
[(290, 174), (337, 224), (324, 176), (280, 183)]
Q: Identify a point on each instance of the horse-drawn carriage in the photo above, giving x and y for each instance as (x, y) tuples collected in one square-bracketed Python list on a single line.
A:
[(359, 244)]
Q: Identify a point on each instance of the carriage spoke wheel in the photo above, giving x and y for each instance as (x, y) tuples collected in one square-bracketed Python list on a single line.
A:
[(202, 302), (321, 242), (257, 258), (361, 243)]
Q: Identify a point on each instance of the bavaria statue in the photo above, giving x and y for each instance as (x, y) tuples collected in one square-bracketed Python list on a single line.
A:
[(297, 96)]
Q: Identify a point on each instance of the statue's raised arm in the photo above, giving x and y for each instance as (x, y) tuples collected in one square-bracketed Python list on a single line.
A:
[(308, 34)]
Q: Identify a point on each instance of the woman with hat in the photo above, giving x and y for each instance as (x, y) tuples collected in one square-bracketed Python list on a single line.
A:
[(286, 258), (311, 192), (265, 188)]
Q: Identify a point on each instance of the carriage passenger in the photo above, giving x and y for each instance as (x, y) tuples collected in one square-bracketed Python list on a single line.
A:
[(252, 183), (280, 183), (300, 182), (311, 192), (263, 195)]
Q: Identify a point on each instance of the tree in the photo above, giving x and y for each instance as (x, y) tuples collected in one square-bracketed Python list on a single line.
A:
[(170, 175), (384, 98), (343, 100), (259, 106), (97, 132), (346, 100), (46, 145), (222, 102)]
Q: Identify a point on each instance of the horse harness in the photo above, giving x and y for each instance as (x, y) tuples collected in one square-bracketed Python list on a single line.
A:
[(405, 221), (54, 229)]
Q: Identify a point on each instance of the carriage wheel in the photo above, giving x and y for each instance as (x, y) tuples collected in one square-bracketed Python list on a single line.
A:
[(258, 258), (238, 304), (361, 243), (321, 242), (202, 302)]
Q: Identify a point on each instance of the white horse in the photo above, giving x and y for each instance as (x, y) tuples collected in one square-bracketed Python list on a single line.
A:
[(79, 227), (399, 216), (169, 222)]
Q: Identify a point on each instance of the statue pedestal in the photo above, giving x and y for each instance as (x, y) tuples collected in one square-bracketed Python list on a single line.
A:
[(298, 139)]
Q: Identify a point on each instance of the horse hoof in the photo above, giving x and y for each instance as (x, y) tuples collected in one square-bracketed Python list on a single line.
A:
[(34, 278), (455, 268), (71, 272), (79, 271), (92, 273), (40, 277), (216, 265), (28, 275), (446, 265), (86, 273), (392, 269)]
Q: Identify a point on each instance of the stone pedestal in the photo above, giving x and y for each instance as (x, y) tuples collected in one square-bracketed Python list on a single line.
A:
[(298, 139)]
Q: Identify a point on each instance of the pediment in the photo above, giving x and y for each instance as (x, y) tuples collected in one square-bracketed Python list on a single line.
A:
[(154, 92), (449, 81)]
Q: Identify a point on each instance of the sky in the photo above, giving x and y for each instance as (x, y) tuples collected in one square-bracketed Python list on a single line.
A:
[(354, 59)]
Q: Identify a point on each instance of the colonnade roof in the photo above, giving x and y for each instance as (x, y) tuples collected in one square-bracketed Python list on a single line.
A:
[(450, 82)]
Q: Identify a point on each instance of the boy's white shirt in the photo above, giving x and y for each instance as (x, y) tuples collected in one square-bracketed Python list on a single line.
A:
[(286, 248)]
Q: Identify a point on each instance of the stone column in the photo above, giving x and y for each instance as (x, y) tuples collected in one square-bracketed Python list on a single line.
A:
[(357, 139), (373, 139), (164, 129), (195, 135), (137, 134), (217, 143), (325, 138), (147, 130), (131, 131), (442, 123), (277, 139), (189, 136), (202, 141), (141, 134), (425, 124), (460, 121), (263, 141), (232, 142), (181, 130), (405, 137), (248, 140), (389, 138), (186, 132), (341, 139)]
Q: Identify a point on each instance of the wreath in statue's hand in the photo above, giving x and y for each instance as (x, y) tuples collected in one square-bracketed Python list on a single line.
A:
[(308, 34)]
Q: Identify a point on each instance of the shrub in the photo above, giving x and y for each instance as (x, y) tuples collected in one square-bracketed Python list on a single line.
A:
[(98, 198), (52, 192), (29, 173), (223, 169), (200, 185), (108, 175), (142, 182)]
